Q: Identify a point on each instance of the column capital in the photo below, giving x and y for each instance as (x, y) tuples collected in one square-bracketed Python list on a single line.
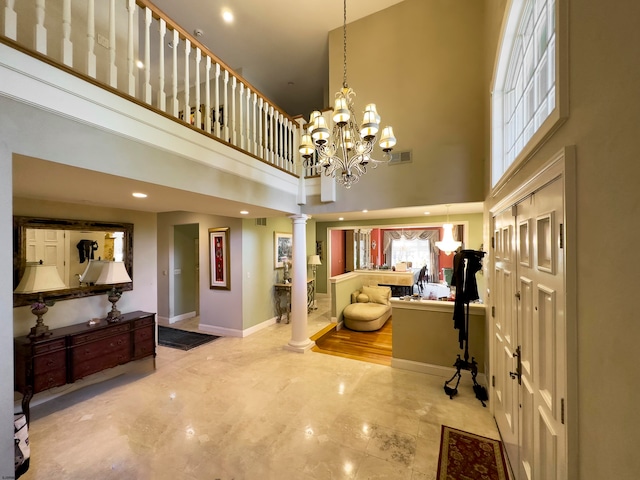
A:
[(299, 218)]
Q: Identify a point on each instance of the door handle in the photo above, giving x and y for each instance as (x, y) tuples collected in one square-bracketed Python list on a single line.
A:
[(518, 373)]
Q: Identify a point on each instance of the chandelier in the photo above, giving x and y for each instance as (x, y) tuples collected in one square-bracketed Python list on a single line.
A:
[(448, 244), (344, 152)]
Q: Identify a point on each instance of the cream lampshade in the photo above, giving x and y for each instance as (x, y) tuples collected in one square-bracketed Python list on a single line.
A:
[(314, 260), (92, 272), (38, 278), (113, 273)]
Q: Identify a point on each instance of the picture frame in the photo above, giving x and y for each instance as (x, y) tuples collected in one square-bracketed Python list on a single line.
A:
[(282, 248), (219, 258)]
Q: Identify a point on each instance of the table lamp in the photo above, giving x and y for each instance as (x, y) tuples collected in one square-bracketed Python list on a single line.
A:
[(113, 273), (314, 261), (39, 278)]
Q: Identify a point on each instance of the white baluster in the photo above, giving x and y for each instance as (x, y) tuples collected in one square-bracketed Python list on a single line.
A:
[(249, 145), (162, 96), (113, 70), (234, 83), (260, 152), (225, 106), (207, 97), (272, 144), (10, 20), (174, 75), (147, 54), (278, 144), (131, 5), (242, 145), (267, 145), (254, 148), (91, 39), (216, 108), (197, 87), (40, 33), (187, 106), (67, 46), (287, 146)]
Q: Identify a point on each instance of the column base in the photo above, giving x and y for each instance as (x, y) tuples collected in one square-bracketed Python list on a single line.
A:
[(300, 348)]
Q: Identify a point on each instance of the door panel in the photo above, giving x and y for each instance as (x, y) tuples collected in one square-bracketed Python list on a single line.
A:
[(505, 396)]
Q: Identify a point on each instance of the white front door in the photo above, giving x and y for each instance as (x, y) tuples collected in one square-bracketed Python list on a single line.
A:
[(529, 333)]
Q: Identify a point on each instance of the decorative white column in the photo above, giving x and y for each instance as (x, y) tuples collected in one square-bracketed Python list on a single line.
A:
[(299, 332)]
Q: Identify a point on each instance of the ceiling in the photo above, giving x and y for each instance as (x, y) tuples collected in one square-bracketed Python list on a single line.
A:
[(291, 69)]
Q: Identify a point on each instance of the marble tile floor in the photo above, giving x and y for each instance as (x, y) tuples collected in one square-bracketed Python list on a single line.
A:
[(245, 409)]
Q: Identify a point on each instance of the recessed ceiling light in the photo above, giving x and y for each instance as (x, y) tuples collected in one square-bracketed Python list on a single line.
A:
[(341, 218), (139, 64), (244, 212), (365, 210), (427, 213), (227, 16), (139, 195)]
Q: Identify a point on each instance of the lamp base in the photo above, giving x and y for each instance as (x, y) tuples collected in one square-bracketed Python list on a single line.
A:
[(40, 329), (114, 315)]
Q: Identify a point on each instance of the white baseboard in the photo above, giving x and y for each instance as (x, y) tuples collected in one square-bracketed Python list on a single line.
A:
[(233, 332), (437, 370), (184, 316)]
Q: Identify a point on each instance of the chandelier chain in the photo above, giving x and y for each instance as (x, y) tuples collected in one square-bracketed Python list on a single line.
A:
[(344, 45)]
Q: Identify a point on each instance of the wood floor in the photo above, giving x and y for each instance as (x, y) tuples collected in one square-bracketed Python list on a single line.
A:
[(374, 347)]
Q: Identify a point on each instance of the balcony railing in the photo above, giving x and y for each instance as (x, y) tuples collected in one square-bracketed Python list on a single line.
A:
[(134, 49)]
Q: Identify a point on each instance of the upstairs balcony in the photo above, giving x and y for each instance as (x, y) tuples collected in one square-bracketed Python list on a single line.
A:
[(131, 49)]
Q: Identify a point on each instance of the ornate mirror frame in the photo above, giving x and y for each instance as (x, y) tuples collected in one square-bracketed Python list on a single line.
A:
[(20, 226)]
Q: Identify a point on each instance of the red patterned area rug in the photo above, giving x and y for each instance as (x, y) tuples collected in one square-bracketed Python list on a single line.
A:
[(465, 456)]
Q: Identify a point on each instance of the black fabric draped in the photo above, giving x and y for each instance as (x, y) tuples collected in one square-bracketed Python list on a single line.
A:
[(466, 263)]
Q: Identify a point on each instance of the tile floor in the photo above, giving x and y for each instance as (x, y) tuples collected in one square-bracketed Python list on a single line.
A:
[(247, 409)]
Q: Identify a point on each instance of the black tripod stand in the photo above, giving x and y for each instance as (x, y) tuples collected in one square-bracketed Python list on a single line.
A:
[(464, 364), (466, 264)]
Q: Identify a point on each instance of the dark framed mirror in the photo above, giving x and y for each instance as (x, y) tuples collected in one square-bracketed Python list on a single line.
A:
[(69, 244)]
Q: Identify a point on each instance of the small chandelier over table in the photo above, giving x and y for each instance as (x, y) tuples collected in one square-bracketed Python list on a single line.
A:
[(344, 152)]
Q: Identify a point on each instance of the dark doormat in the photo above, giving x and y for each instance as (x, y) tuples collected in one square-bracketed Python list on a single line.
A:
[(181, 339)]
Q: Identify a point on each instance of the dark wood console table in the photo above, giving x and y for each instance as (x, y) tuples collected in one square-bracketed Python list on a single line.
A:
[(71, 353)]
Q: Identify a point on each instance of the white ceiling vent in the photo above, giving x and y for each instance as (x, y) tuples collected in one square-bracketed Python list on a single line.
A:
[(398, 158)]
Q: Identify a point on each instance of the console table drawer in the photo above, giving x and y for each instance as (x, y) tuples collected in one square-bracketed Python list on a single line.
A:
[(51, 361), (81, 353), (54, 378), (97, 364), (150, 320), (57, 344), (93, 336), (144, 349)]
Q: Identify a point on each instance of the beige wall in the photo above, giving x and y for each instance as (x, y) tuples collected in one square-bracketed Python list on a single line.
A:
[(421, 63), (425, 335), (603, 125)]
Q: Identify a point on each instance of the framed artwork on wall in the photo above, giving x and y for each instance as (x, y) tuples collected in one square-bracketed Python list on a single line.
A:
[(219, 258), (282, 248)]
